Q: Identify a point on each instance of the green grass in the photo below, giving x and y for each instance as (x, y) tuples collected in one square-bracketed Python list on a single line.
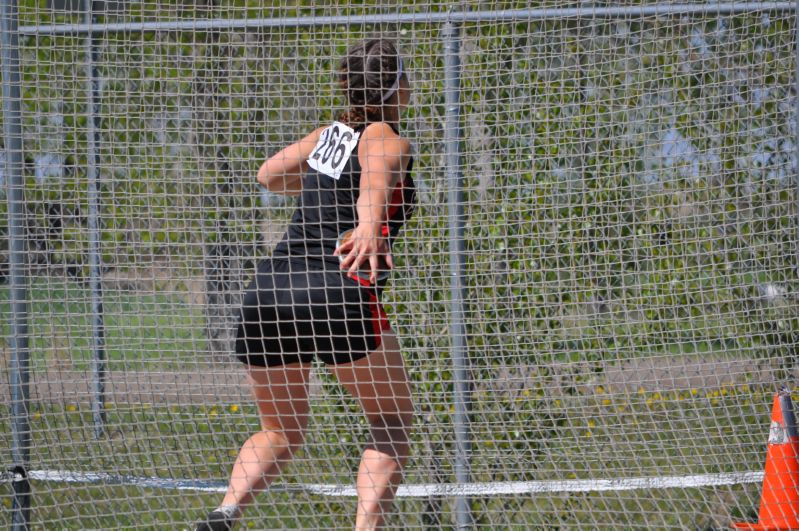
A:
[(141, 329), (520, 437), (520, 434)]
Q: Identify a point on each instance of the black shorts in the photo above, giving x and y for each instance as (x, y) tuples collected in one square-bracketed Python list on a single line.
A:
[(292, 312)]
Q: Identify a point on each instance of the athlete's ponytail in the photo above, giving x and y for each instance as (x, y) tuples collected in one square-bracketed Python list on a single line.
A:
[(369, 75), (354, 117)]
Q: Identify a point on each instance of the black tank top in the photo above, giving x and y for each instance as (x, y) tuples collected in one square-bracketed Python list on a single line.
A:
[(327, 207)]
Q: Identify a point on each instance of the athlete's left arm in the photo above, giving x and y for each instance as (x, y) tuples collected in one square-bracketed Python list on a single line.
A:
[(383, 156)]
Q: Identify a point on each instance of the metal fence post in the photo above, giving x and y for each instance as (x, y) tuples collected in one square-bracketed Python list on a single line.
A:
[(796, 125), (95, 258), (19, 369), (460, 360)]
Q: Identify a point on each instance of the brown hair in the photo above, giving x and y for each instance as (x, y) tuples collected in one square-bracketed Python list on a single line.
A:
[(366, 74)]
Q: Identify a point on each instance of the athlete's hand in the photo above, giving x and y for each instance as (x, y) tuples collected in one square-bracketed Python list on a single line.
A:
[(365, 246)]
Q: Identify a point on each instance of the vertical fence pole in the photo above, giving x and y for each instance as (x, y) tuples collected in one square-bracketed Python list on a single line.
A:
[(796, 122), (460, 360), (19, 377), (95, 258)]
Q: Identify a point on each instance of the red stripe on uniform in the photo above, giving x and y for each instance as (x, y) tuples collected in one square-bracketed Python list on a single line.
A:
[(396, 199), (379, 319), (379, 315)]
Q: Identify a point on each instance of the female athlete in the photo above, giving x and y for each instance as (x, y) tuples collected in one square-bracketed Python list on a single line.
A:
[(318, 295)]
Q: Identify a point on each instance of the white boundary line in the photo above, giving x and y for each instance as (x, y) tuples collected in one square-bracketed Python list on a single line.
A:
[(422, 490)]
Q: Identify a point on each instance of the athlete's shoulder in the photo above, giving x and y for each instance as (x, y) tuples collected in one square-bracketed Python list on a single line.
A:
[(390, 141), (380, 130)]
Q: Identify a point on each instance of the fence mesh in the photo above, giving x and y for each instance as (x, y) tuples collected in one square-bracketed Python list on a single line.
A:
[(630, 247)]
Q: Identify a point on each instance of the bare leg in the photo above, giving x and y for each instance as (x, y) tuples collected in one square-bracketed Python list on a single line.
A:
[(281, 394), (380, 383)]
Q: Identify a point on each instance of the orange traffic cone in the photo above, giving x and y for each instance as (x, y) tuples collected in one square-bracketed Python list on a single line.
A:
[(779, 502)]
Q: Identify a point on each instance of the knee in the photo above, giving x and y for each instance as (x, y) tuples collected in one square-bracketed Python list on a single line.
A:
[(391, 421), (290, 438), (390, 434), (295, 440)]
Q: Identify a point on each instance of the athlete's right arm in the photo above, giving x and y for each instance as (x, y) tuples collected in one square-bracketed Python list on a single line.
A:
[(282, 172), (384, 156)]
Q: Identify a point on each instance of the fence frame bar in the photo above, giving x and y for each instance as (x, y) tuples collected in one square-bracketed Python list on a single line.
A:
[(455, 17), (93, 124), (19, 366), (453, 134), (796, 127)]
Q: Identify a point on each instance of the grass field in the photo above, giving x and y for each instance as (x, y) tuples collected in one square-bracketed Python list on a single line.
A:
[(644, 434), (142, 329), (521, 433)]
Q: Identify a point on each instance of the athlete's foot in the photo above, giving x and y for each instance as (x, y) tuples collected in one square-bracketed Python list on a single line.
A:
[(216, 521)]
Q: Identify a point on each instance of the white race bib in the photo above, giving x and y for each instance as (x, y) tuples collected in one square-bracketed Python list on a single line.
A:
[(333, 150)]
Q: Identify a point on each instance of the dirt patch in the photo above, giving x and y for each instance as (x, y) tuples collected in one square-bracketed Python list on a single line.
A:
[(226, 384), (654, 374), (673, 373), (216, 385), (153, 387)]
